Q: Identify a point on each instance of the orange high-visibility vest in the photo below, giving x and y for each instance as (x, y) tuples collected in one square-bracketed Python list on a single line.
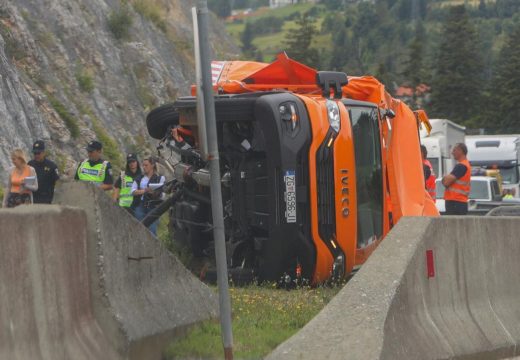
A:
[(430, 182), (459, 190)]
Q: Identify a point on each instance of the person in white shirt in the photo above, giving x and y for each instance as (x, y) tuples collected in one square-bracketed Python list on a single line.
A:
[(150, 198)]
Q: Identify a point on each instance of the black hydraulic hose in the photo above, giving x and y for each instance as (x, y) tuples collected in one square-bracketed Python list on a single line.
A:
[(156, 213), (197, 196)]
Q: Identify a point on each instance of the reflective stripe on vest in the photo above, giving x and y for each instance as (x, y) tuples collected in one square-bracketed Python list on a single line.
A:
[(94, 173), (459, 190), (125, 194), (430, 182)]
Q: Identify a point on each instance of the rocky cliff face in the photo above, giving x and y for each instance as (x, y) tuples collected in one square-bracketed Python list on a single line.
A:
[(75, 70)]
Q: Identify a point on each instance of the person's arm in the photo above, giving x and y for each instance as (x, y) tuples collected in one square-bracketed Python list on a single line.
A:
[(7, 190), (117, 189), (55, 174), (76, 176), (458, 171), (427, 172), (109, 180), (34, 186), (135, 191)]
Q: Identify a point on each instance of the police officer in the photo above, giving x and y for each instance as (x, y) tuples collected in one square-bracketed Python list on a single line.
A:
[(458, 183), (46, 172), (94, 169), (123, 186)]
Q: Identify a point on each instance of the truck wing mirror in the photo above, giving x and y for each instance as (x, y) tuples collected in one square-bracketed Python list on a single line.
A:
[(331, 80)]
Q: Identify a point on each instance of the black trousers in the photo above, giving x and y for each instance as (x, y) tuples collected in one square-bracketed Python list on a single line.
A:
[(456, 207)]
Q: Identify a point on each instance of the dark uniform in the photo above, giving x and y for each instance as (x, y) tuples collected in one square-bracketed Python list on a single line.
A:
[(47, 175)]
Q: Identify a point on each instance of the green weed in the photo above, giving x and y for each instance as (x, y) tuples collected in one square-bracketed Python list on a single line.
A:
[(120, 21), (69, 120), (151, 11), (263, 317), (85, 80)]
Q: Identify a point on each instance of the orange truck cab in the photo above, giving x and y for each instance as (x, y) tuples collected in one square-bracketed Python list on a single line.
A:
[(316, 169)]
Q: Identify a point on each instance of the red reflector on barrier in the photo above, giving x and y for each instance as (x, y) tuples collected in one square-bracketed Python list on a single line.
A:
[(430, 266)]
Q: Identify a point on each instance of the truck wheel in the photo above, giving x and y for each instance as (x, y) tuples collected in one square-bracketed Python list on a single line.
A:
[(159, 119)]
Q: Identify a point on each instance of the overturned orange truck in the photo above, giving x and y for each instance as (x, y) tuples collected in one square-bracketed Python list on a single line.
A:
[(316, 168)]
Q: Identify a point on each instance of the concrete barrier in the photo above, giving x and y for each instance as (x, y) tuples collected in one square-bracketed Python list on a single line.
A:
[(505, 211), (45, 301), (142, 295), (468, 309)]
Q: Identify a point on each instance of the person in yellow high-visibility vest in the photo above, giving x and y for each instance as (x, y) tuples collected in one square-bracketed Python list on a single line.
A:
[(94, 169), (123, 185)]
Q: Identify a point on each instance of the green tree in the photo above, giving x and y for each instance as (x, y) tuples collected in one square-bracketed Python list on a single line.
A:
[(220, 7), (298, 42), (414, 65), (246, 38), (457, 83), (506, 92)]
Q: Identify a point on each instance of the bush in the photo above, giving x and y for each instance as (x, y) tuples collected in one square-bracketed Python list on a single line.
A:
[(119, 22), (66, 116), (267, 25), (85, 80), (150, 11), (110, 148)]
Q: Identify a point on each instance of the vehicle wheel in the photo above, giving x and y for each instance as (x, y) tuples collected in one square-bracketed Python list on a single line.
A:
[(159, 119)]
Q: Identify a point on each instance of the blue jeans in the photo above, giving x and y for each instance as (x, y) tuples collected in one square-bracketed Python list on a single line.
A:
[(140, 214)]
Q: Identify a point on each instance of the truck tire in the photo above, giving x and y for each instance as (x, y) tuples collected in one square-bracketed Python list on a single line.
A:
[(159, 119)]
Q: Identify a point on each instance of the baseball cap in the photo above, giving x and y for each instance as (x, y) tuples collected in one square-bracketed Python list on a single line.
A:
[(38, 147), (131, 157), (94, 145)]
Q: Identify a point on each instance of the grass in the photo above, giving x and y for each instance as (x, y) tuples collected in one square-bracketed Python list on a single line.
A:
[(119, 22), (69, 120), (85, 80), (110, 146), (271, 44), (263, 317), (151, 11)]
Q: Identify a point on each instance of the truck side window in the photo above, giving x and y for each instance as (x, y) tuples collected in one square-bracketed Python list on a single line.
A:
[(367, 147)]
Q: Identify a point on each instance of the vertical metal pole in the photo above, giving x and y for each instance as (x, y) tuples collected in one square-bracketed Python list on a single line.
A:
[(201, 120), (216, 191)]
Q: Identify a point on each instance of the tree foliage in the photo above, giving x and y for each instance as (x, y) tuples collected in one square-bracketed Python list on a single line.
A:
[(506, 94), (457, 82), (299, 42)]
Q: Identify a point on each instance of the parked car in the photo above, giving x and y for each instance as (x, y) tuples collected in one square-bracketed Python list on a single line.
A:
[(484, 195)]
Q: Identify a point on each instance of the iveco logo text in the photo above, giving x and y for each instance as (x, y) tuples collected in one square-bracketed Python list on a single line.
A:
[(345, 196)]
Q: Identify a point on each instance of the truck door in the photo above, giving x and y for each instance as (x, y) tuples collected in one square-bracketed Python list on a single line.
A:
[(369, 181)]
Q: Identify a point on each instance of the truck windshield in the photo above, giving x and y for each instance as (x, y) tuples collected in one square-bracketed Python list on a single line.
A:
[(479, 190), (509, 174), (365, 131)]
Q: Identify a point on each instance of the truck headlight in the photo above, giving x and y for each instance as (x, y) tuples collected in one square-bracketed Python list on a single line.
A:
[(333, 115), (289, 115)]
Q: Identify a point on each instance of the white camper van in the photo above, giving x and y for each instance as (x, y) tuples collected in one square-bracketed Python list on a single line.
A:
[(500, 152), (439, 142)]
